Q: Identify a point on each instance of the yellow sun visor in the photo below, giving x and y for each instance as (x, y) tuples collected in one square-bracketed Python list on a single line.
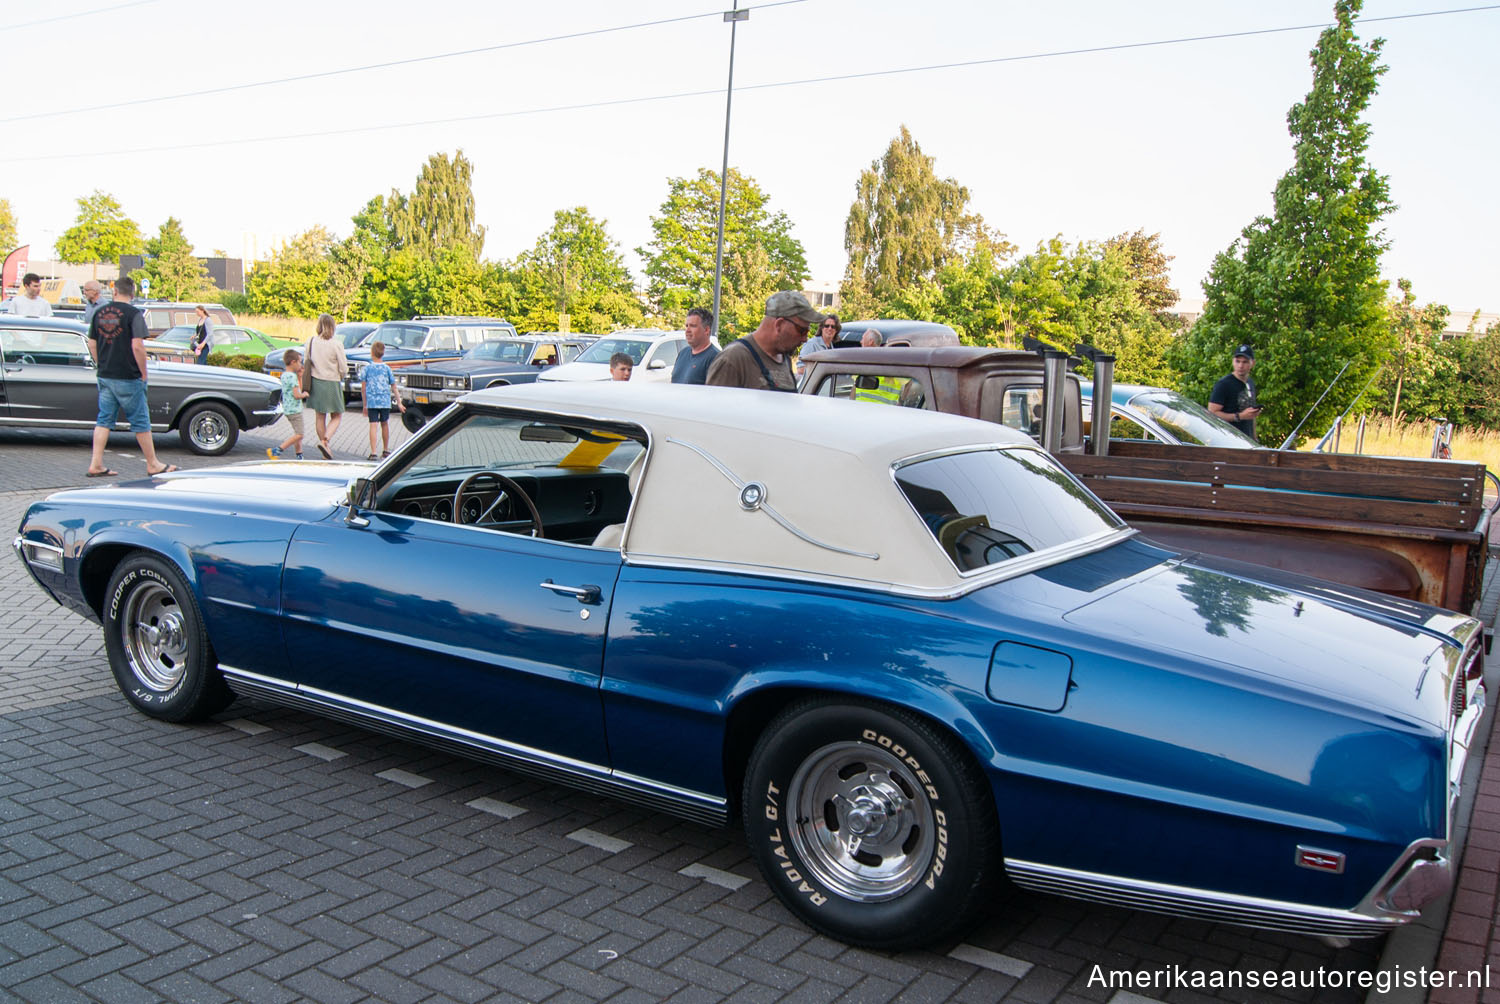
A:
[(591, 454)]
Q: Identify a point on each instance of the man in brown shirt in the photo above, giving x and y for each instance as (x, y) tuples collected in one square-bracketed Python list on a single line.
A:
[(762, 359)]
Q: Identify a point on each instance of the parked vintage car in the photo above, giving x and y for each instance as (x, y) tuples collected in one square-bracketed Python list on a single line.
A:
[(49, 380), (923, 334), (652, 352), (1159, 415), (423, 339), (348, 334), (911, 652), (164, 314), (430, 387), (176, 344)]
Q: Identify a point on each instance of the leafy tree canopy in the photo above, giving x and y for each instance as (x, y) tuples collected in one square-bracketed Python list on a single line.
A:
[(439, 213), (9, 231), (171, 268), (760, 254), (1303, 285), (102, 232), (577, 269), (293, 281), (905, 225)]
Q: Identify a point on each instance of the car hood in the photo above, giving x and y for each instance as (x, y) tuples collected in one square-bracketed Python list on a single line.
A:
[(1385, 657), (303, 489), (577, 371), (391, 352), (191, 377)]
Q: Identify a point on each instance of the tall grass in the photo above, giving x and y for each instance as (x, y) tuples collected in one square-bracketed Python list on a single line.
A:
[(1384, 438), (300, 328)]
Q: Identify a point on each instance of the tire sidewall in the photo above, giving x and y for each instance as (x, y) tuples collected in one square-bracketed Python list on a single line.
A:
[(191, 441), (928, 910), (184, 699)]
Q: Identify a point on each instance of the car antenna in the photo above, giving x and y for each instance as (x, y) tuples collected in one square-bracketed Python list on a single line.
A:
[(1293, 434)]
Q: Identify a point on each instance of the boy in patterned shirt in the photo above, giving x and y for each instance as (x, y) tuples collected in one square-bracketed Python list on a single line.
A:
[(292, 396), (378, 381)]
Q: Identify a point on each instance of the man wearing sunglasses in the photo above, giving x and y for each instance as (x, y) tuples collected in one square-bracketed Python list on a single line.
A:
[(762, 360)]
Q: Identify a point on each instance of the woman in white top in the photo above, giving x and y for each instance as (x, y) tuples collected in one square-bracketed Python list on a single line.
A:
[(328, 365)]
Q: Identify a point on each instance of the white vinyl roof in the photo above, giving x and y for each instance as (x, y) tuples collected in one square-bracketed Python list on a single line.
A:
[(830, 508)]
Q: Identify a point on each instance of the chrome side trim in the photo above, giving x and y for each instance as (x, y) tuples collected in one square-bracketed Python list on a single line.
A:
[(1365, 921), (697, 806), (756, 502)]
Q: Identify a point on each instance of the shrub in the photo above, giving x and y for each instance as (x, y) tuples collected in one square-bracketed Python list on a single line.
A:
[(241, 362)]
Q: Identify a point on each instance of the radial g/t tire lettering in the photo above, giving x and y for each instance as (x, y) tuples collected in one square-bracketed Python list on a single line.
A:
[(871, 824)]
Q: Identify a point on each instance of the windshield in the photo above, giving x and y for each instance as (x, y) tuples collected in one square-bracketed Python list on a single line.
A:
[(180, 335), (1189, 421), (404, 336), (352, 333), (501, 351), (988, 506), (500, 442), (601, 350)]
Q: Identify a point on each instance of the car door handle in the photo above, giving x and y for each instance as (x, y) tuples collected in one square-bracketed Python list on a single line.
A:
[(583, 594)]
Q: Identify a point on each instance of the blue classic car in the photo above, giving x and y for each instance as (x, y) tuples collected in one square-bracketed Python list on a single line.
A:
[(431, 387), (912, 653)]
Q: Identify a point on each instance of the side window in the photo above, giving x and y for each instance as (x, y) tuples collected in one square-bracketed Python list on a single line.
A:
[(905, 391), (570, 352), (158, 320), (443, 339), (1121, 427), (1021, 409), (231, 336), (666, 354), (545, 354)]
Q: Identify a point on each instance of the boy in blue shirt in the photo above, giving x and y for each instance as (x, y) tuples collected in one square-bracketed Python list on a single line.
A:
[(378, 381), (292, 396)]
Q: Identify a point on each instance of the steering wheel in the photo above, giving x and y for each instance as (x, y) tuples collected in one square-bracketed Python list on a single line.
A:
[(506, 485)]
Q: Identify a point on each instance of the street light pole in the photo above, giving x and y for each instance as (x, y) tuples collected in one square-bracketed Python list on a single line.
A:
[(734, 16)]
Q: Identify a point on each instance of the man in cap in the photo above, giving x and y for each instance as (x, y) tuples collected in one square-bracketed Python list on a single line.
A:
[(762, 360), (1233, 397)]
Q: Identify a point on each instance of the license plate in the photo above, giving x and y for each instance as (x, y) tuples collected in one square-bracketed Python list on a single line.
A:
[(421, 398)]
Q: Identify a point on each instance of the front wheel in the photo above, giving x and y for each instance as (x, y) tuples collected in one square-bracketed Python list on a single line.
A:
[(157, 646), (872, 825), (209, 429)]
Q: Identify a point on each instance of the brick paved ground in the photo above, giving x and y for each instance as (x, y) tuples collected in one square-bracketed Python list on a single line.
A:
[(274, 856)]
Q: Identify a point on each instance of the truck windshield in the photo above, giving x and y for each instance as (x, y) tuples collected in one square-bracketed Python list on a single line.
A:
[(988, 506)]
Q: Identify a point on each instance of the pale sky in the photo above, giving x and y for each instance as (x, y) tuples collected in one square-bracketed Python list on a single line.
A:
[(1184, 139)]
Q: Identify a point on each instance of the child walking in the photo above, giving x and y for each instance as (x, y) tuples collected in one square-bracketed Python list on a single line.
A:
[(379, 392), (292, 396)]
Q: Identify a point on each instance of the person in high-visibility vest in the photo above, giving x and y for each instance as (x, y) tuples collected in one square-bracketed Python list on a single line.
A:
[(887, 389)]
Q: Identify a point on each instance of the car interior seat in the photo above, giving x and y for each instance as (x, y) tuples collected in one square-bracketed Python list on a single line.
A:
[(612, 534)]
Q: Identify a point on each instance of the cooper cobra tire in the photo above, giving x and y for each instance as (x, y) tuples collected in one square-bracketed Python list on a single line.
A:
[(156, 643), (209, 429), (870, 824)]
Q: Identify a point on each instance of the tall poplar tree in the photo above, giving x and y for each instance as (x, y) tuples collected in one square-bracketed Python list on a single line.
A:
[(439, 213), (1303, 286), (905, 224)]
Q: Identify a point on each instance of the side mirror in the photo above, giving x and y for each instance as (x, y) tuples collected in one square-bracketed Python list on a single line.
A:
[(866, 382), (657, 364), (361, 495)]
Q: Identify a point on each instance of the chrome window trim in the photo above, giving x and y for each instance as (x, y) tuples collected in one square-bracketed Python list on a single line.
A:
[(695, 805)]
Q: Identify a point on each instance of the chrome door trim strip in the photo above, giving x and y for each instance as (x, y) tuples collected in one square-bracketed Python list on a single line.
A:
[(694, 805)]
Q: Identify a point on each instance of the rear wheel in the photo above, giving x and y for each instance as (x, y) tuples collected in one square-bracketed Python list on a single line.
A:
[(209, 429), (156, 643), (871, 824)]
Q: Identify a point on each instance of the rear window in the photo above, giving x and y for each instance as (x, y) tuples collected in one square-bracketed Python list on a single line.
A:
[(985, 507)]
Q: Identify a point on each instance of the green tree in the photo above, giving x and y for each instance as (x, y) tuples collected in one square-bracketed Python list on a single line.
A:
[(1476, 378), (1303, 285), (439, 213), (1416, 367), (577, 269), (293, 282), (170, 266), (406, 283), (905, 225), (9, 231), (760, 254), (102, 232)]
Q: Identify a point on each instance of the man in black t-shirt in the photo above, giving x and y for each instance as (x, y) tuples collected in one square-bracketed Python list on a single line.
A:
[(117, 341), (1233, 397)]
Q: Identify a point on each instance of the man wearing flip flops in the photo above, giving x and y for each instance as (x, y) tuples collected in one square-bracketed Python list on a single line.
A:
[(117, 341)]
